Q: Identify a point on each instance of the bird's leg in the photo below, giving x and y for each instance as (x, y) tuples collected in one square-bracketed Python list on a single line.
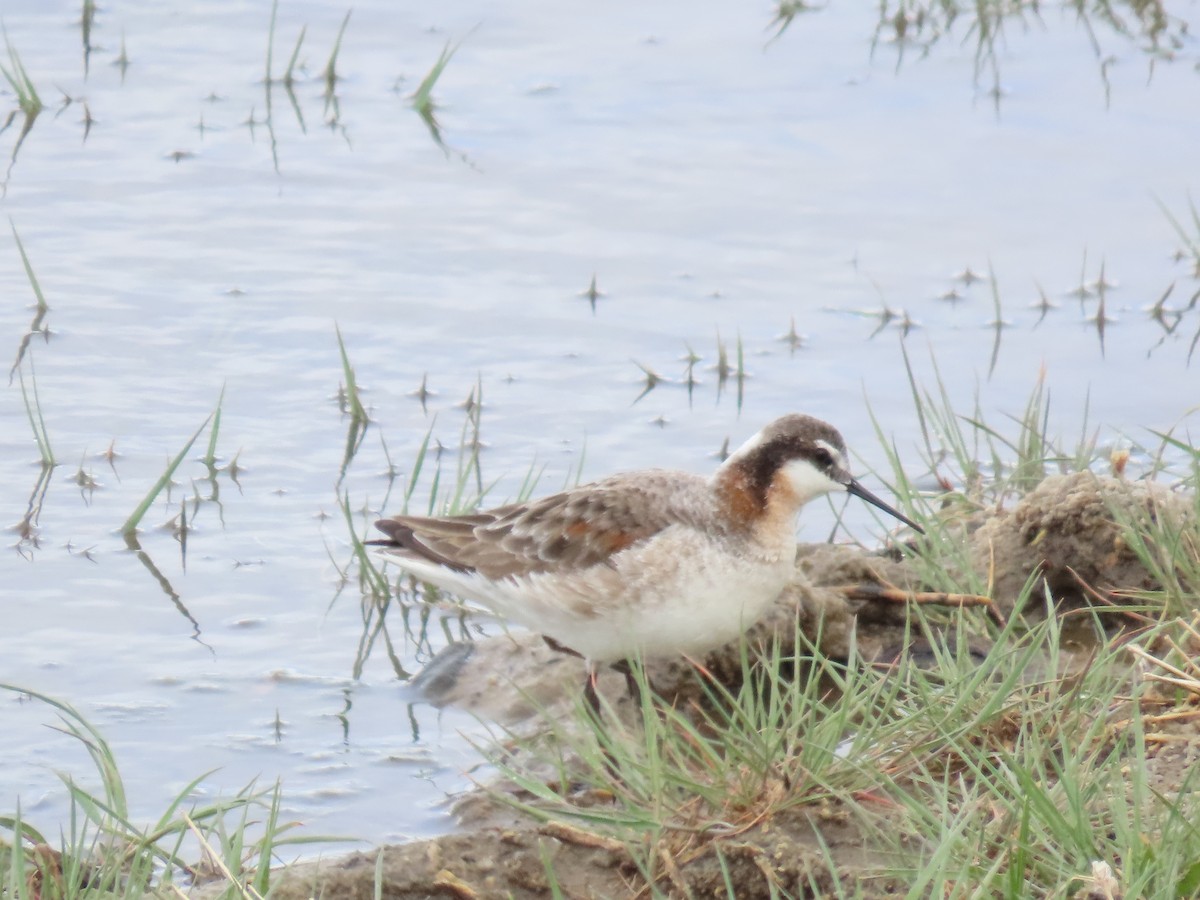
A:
[(589, 685), (590, 697), (631, 682), (560, 648)]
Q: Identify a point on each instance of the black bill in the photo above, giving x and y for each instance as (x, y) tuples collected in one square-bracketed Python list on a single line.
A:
[(853, 487)]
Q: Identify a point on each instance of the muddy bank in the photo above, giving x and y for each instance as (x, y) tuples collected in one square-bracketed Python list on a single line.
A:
[(1063, 530), (784, 855)]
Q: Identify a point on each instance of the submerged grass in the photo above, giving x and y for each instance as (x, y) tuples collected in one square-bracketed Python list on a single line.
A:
[(422, 98), (329, 74), (985, 26), (33, 410), (29, 102), (449, 491), (129, 528), (30, 398), (352, 406), (37, 326), (289, 73), (1189, 237), (210, 453)]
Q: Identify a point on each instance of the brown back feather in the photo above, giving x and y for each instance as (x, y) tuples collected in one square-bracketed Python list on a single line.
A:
[(573, 530)]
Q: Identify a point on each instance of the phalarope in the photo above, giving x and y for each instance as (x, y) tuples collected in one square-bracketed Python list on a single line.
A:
[(644, 564)]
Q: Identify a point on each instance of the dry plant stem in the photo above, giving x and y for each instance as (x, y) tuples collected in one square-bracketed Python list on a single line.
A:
[(572, 835), (1161, 663), (1177, 678), (215, 858), (1185, 654), (892, 594), (1108, 601), (1159, 738), (1191, 686), (1182, 716), (673, 873)]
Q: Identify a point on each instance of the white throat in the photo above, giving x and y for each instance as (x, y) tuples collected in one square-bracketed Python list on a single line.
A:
[(807, 481)]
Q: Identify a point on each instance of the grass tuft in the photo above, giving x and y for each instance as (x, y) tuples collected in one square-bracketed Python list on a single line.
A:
[(1165, 537), (1011, 776), (104, 854)]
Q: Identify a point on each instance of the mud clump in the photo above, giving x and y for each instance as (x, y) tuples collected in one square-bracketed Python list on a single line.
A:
[(1068, 530)]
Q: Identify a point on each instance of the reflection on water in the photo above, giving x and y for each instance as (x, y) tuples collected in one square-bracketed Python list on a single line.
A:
[(918, 26), (143, 557), (263, 205)]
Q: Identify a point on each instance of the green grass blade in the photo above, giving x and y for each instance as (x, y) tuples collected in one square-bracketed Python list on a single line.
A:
[(21, 83), (330, 73), (43, 307), (271, 44), (131, 524), (97, 747), (359, 421), (29, 273), (422, 98), (1191, 242), (418, 465), (289, 77), (210, 455), (34, 411)]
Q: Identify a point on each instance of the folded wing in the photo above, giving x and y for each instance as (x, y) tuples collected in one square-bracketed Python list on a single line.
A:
[(573, 530)]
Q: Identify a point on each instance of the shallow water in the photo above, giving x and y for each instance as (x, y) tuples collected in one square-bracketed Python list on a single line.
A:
[(714, 181)]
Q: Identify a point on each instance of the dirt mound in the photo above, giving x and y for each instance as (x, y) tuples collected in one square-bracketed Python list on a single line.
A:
[(1069, 531)]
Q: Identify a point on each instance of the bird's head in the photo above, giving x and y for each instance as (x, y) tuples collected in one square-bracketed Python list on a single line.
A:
[(796, 459)]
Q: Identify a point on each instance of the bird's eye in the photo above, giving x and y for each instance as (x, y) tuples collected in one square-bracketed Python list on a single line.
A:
[(823, 457)]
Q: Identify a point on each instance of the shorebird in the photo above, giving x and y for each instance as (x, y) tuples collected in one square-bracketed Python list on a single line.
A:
[(652, 563)]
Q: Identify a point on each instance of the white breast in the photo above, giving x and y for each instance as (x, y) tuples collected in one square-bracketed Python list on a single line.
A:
[(681, 593)]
